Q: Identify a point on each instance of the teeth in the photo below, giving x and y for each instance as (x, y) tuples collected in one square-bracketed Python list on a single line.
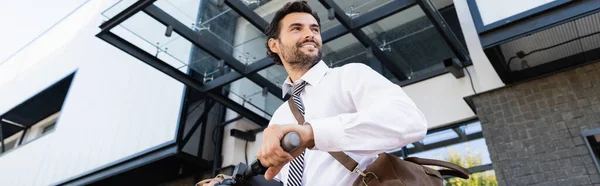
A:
[(308, 46)]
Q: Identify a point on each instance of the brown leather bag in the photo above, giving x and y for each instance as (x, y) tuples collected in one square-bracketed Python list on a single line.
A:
[(388, 169)]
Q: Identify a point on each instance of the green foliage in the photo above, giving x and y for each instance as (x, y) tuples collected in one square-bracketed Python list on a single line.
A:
[(487, 178)]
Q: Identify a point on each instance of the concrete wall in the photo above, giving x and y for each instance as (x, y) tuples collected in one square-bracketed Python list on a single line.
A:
[(533, 129), (116, 106)]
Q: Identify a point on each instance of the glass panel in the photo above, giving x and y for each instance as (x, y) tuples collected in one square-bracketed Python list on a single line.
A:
[(485, 178), (267, 8), (467, 154), (347, 49), (355, 8), (251, 96), (410, 39), (472, 128), (220, 26), (276, 74), (149, 35), (117, 8), (49, 128), (439, 136), (593, 144)]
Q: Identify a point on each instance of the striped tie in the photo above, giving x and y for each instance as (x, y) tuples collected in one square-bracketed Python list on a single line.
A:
[(297, 165)]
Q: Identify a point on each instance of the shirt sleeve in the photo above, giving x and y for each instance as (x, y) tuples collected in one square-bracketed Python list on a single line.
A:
[(385, 118)]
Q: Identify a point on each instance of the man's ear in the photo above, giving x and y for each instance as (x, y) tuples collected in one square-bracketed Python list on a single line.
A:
[(274, 45)]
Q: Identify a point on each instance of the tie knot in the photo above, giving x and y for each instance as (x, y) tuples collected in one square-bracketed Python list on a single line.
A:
[(298, 88)]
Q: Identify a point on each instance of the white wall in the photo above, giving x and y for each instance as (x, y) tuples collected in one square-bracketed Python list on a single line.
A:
[(116, 106), (494, 10)]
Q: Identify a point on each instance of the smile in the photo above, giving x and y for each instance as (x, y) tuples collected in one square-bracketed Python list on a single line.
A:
[(310, 45)]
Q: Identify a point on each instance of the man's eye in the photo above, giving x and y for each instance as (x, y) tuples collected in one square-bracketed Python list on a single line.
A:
[(316, 30), (296, 28)]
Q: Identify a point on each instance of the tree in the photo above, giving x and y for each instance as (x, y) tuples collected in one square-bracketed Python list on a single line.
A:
[(487, 178)]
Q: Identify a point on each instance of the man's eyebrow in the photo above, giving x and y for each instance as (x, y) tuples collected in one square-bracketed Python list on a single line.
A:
[(295, 24), (300, 24)]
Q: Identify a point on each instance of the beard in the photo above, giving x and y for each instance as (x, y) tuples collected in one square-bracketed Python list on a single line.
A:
[(299, 60)]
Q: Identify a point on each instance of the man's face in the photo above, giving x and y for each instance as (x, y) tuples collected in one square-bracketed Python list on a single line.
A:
[(299, 42)]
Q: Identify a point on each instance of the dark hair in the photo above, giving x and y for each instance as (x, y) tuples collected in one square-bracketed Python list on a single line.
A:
[(274, 28)]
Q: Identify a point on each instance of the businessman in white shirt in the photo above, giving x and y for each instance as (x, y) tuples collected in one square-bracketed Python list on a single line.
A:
[(350, 108)]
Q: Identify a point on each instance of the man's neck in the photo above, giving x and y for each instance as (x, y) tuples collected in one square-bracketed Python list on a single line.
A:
[(296, 72)]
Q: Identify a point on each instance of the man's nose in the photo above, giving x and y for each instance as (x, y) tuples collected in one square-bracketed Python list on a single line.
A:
[(309, 34)]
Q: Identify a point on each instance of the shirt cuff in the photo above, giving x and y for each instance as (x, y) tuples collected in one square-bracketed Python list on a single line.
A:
[(328, 132)]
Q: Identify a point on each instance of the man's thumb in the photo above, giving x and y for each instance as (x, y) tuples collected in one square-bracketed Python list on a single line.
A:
[(272, 172)]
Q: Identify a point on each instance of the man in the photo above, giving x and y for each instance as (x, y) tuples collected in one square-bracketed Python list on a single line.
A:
[(351, 108)]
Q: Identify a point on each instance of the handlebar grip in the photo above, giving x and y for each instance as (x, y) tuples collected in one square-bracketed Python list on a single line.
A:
[(289, 143)]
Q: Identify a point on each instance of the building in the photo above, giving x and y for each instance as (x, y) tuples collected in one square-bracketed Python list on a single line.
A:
[(169, 92)]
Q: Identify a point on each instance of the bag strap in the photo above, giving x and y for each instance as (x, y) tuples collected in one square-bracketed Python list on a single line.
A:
[(351, 164), (453, 169), (342, 157)]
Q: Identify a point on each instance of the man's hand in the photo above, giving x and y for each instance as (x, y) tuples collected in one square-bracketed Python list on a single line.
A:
[(213, 181), (272, 155)]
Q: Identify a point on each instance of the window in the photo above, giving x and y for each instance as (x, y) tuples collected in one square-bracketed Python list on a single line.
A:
[(33, 118), (462, 144), (592, 140), (48, 128)]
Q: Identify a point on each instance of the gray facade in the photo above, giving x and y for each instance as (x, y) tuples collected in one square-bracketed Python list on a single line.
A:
[(533, 129)]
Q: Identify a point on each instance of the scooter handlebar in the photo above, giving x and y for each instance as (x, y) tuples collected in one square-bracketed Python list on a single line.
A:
[(289, 143)]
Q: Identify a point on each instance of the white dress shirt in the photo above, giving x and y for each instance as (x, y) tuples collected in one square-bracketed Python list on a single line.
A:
[(352, 109)]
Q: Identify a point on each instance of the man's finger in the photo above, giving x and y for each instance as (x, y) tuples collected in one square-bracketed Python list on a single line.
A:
[(272, 172), (212, 183)]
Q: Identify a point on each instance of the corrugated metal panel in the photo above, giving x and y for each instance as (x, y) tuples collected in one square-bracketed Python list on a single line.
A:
[(544, 40), (589, 25)]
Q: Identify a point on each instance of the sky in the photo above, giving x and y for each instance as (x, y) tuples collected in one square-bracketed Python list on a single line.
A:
[(24, 20)]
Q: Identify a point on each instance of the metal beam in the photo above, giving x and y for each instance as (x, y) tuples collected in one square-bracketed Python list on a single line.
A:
[(382, 12), (365, 40), (419, 145), (201, 120), (471, 170), (222, 80), (183, 114), (149, 59), (1, 137), (333, 33), (203, 129), (189, 34), (444, 143), (259, 65), (14, 123), (447, 143), (192, 36), (480, 168), (533, 24), (442, 27), (125, 164), (23, 136), (177, 75), (125, 14), (243, 10), (461, 133), (259, 120)]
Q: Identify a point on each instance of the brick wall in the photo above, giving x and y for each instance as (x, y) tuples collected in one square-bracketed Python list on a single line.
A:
[(533, 129)]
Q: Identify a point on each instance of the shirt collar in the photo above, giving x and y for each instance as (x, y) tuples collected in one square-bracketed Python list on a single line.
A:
[(312, 77)]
